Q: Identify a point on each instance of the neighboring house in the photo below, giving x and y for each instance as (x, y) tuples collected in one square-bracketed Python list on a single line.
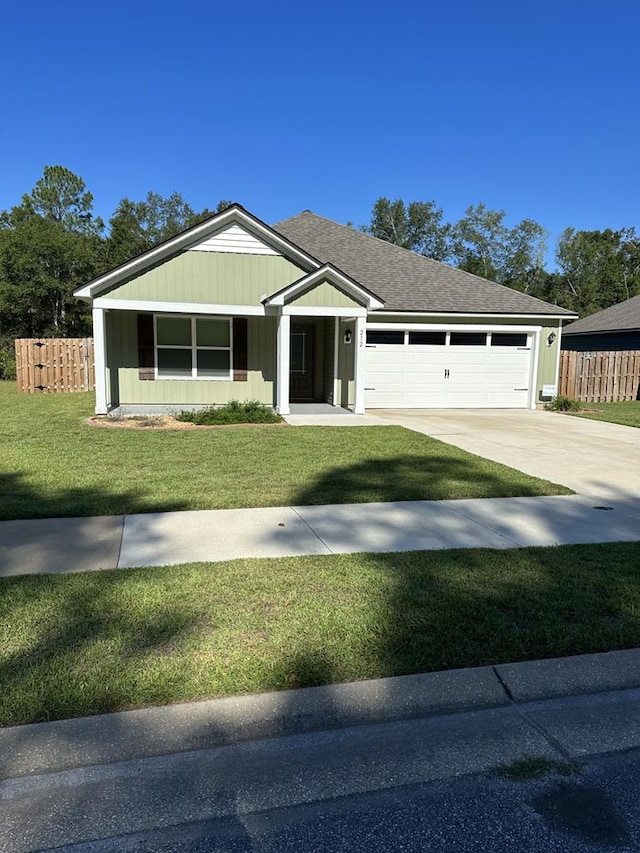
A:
[(311, 310), (614, 329)]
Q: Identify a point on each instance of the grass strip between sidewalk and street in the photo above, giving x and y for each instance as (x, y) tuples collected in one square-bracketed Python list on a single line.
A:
[(53, 464), (93, 642)]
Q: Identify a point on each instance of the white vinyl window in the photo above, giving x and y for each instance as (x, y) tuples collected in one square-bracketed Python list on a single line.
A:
[(193, 347)]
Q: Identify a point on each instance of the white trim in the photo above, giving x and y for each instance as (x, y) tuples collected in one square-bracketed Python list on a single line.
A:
[(193, 235), (533, 378), (333, 276), (179, 307), (359, 354), (282, 364), (301, 311), (455, 314), (194, 351), (455, 327), (99, 355), (336, 352)]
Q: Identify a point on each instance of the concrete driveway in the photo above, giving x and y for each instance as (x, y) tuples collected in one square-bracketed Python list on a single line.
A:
[(591, 457)]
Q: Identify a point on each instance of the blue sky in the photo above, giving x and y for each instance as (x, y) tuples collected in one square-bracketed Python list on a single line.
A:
[(527, 107)]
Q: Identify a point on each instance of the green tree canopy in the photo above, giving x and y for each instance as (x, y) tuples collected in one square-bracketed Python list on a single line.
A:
[(598, 269), (417, 226), (49, 244), (59, 196)]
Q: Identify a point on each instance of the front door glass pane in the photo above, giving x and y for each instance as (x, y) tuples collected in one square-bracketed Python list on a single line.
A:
[(298, 340)]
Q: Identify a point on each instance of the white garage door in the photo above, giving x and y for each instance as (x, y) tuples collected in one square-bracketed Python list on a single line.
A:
[(447, 369)]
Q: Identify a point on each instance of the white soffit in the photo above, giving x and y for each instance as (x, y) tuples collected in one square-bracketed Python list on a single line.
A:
[(234, 238)]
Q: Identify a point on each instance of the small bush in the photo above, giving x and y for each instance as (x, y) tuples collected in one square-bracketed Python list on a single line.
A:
[(235, 412), (563, 404)]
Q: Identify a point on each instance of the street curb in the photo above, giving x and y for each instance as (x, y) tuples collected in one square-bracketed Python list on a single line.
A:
[(129, 735)]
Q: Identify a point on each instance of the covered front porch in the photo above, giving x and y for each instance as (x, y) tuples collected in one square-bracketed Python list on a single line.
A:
[(321, 340), (319, 364)]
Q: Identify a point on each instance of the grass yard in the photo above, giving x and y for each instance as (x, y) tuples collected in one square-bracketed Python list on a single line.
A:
[(104, 641), (626, 413), (52, 464)]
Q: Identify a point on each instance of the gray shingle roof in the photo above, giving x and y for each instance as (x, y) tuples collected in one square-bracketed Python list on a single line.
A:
[(404, 280), (624, 315)]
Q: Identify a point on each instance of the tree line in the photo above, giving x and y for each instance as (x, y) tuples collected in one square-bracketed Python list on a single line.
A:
[(52, 242)]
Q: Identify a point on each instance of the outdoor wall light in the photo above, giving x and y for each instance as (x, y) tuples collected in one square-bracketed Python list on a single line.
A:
[(347, 336), (551, 339)]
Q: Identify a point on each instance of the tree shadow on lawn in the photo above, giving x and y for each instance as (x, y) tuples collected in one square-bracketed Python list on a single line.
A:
[(19, 499), (428, 476)]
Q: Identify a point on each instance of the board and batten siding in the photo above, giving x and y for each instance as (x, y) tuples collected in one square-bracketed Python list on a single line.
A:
[(217, 278), (325, 295), (547, 357), (127, 389), (327, 359)]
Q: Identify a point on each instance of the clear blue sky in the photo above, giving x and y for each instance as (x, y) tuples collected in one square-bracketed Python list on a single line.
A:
[(528, 107)]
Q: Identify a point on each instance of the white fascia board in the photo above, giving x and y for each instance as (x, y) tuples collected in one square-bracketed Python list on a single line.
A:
[(316, 311), (210, 226), (463, 316), (179, 307), (443, 327), (333, 276)]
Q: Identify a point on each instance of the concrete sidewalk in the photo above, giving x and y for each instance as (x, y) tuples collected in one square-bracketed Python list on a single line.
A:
[(77, 544)]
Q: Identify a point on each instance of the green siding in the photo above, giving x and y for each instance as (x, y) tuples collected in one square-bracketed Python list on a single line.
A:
[(346, 381), (327, 360), (219, 278), (127, 389), (547, 359), (325, 295)]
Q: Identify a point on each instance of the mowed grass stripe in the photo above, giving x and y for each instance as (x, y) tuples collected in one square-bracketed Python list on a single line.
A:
[(95, 642)]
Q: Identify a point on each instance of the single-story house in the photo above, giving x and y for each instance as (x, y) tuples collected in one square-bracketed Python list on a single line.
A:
[(309, 310), (615, 329)]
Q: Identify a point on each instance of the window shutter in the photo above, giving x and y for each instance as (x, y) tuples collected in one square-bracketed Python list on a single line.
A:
[(239, 349), (146, 366)]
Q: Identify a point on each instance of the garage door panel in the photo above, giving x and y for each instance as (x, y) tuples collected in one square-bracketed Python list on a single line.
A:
[(421, 373)]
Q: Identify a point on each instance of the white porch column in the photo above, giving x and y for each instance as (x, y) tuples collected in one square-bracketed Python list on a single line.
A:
[(282, 364), (99, 352), (359, 352)]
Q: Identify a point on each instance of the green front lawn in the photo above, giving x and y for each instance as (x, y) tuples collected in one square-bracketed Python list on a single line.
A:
[(52, 463), (626, 413), (104, 641)]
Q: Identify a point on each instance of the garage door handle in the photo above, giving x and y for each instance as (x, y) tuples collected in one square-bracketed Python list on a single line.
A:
[(520, 389), (446, 373)]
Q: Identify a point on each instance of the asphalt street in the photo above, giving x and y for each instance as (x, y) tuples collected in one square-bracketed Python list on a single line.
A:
[(427, 784)]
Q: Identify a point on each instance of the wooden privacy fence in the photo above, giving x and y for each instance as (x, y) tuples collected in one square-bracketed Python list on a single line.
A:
[(54, 365), (600, 377)]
